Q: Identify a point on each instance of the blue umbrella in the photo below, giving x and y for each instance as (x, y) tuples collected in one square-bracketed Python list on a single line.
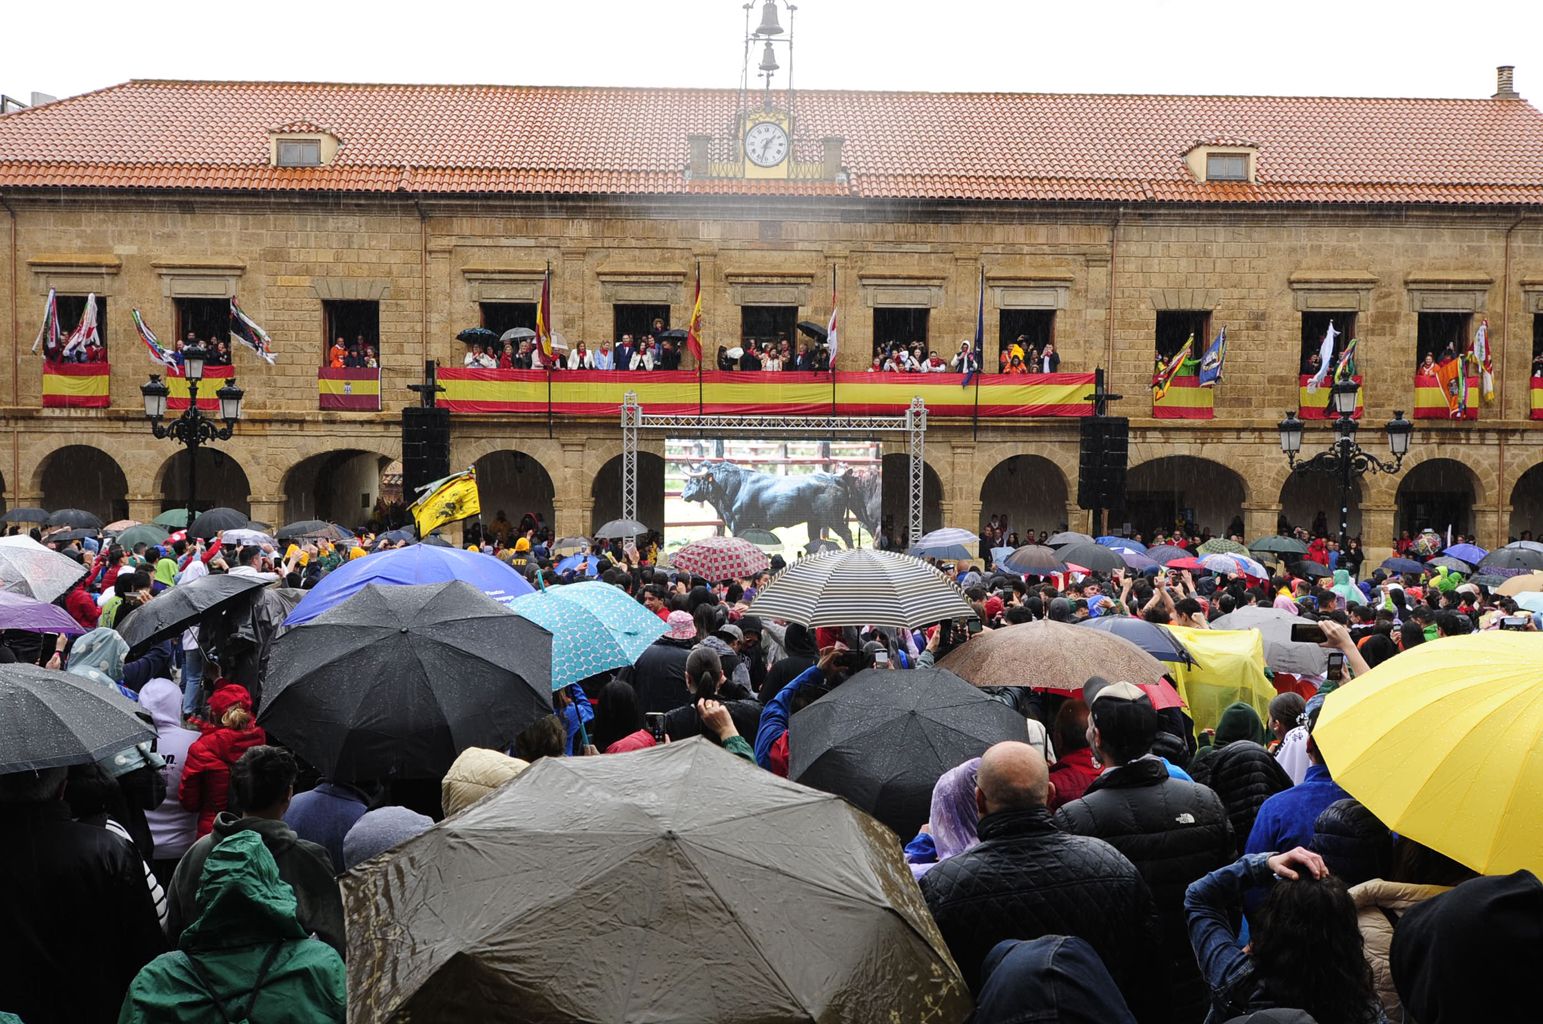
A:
[(572, 562), (946, 552), (1121, 542), (1470, 553), (594, 627), (407, 567), (1403, 565), (1149, 636), (1137, 560), (999, 555)]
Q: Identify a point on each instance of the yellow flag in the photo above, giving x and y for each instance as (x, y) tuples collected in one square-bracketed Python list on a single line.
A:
[(453, 498)]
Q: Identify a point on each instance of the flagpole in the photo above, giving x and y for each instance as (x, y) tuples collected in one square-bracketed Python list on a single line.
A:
[(546, 297), (691, 330), (827, 338), (980, 364)]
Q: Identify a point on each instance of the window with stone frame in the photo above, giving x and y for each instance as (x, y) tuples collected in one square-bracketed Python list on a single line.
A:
[(900, 326), (763, 324), (204, 321), (1439, 332), (1176, 326), (638, 319), (1537, 344), (356, 322), (1029, 329), (1314, 327), (72, 308)]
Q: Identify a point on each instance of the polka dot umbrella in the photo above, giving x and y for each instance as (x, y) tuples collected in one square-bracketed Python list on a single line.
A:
[(594, 627), (721, 558)]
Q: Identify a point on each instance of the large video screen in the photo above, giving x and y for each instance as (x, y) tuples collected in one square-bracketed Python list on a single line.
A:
[(782, 496)]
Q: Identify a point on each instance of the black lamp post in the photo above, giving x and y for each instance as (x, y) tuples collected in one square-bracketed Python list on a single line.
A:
[(192, 428), (1344, 458)]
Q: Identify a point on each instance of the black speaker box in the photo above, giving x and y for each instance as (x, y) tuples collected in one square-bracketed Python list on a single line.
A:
[(425, 448), (1101, 465)]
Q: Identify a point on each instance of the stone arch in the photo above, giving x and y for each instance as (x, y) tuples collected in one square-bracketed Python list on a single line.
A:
[(1304, 495), (1158, 491), (85, 477), (1029, 489), (516, 483), (1527, 504), (340, 486), (896, 503), (222, 481), (1438, 492), (605, 492)]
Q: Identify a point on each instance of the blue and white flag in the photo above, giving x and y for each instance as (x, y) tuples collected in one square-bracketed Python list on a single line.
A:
[(973, 366), (244, 329), (1211, 362)]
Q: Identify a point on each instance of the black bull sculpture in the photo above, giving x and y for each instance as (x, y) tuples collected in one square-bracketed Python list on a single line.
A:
[(745, 499)]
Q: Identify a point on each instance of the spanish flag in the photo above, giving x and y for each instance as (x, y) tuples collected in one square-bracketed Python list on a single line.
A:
[(693, 329), (76, 385), (348, 389), (446, 501), (544, 316)]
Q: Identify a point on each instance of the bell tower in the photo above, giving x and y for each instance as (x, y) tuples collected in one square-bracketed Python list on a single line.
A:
[(765, 123)]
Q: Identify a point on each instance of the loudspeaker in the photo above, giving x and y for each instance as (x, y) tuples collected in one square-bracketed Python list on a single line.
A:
[(1101, 466), (425, 448)]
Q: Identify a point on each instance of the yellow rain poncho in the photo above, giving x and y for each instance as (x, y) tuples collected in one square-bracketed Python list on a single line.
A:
[(1228, 669)]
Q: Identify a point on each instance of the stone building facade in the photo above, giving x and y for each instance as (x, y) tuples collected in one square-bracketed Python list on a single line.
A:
[(151, 234)]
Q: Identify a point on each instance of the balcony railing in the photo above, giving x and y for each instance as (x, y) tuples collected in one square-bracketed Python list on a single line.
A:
[(76, 385), (1431, 399), (1185, 400), (1314, 405)]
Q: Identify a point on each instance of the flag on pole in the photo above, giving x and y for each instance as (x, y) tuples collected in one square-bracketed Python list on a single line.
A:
[(245, 331), (85, 332), (158, 353), (1453, 375), (1211, 362), (49, 334), (830, 326), (1484, 359), (544, 317), (1325, 357), (1345, 369), (693, 342), (1163, 378), (445, 501), (972, 366)]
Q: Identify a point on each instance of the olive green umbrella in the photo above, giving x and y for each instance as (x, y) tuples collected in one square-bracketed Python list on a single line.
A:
[(1221, 546), (172, 519)]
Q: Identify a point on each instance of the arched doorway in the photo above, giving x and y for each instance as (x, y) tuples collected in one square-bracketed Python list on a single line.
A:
[(222, 483), (1182, 490), (515, 484), (896, 488), (1438, 494), (1028, 491), (1311, 500), (341, 487), (80, 476), (1527, 505), (606, 492)]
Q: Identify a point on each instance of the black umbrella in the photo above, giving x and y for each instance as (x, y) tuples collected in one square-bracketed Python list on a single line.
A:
[(1308, 569), (882, 738), (477, 336), (1034, 560), (398, 680), (49, 719), (434, 540), (1091, 556), (816, 331), (216, 519), (1513, 557), (172, 611), (313, 529), (25, 515), (674, 334), (74, 517), (621, 528), (1067, 538), (67, 535)]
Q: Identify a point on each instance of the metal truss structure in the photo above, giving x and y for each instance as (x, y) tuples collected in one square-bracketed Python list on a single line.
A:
[(913, 423)]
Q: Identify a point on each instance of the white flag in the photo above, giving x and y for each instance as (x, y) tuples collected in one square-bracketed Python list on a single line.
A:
[(1325, 358), (830, 330), (85, 332)]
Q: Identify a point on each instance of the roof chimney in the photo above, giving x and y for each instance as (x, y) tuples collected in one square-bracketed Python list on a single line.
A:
[(1505, 88)]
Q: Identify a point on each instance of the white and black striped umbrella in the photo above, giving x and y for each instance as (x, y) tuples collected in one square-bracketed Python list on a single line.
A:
[(862, 587)]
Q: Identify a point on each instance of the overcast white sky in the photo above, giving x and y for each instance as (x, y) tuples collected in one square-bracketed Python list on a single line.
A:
[(1344, 48)]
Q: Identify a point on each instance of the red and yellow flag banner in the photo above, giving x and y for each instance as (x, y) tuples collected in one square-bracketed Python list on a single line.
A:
[(1537, 398), (76, 385), (1432, 399), (1314, 405), (1184, 399), (351, 389), (215, 377)]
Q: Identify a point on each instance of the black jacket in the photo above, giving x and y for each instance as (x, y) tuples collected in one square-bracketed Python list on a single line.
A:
[(1174, 832), (659, 675), (1244, 775), (77, 922), (684, 723), (1027, 879)]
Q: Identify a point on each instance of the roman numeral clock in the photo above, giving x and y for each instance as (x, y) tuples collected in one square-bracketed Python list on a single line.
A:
[(767, 143)]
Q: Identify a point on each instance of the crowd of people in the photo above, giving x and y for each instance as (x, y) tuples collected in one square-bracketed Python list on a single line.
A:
[(1125, 863), (361, 355)]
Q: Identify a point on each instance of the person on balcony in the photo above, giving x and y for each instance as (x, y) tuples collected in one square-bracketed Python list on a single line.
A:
[(804, 361), (821, 358), (581, 358), (1427, 366), (624, 353), (669, 355), (934, 363), (1047, 361), (643, 357), (335, 355), (605, 359), (751, 360), (477, 359), (966, 361), (899, 361), (1015, 365), (771, 359)]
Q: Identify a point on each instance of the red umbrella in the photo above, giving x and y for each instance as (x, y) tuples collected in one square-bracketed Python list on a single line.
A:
[(1163, 694), (1189, 562), (721, 558)]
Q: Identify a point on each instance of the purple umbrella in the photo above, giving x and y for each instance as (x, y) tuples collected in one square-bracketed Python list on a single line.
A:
[(1136, 560), (18, 611)]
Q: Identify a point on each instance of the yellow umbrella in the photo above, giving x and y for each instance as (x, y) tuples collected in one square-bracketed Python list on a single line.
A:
[(1444, 743), (1521, 584), (1228, 668)]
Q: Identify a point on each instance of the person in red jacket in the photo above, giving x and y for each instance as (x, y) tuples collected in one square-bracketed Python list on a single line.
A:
[(1075, 768), (205, 785), (82, 606)]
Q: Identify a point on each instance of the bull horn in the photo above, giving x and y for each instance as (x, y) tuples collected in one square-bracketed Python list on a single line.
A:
[(696, 473)]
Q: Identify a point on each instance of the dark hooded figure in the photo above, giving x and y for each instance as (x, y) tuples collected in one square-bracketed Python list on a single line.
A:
[(801, 655), (1055, 978)]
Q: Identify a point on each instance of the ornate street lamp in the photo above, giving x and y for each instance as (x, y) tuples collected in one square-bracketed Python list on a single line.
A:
[(1344, 457), (192, 428)]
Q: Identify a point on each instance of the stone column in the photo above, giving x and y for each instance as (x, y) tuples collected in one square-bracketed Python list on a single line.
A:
[(1490, 525), (1260, 519), (1377, 533), (268, 508), (142, 507), (1080, 519)]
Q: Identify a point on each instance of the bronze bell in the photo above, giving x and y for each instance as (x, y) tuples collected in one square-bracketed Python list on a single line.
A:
[(769, 59), (769, 24)]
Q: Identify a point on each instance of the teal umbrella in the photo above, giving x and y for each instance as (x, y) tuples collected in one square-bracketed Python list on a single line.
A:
[(172, 519), (594, 627), (144, 533)]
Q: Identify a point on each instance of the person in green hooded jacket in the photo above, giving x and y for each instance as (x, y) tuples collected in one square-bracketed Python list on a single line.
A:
[(165, 573), (245, 956)]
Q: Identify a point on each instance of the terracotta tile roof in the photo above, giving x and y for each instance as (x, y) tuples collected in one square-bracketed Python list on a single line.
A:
[(904, 145)]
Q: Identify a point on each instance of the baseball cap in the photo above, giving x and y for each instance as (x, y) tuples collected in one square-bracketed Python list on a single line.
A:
[(729, 632), (1098, 688)]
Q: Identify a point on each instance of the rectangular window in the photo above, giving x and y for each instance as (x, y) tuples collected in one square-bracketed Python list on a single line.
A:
[(638, 319), (768, 323), (71, 309), (204, 322), (1537, 345), (1176, 326), (501, 317), (900, 327), (299, 153), (1439, 332), (352, 335), (1030, 329), (1226, 167), (1314, 327)]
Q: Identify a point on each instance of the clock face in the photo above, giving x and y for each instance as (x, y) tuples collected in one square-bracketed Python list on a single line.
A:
[(766, 144)]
